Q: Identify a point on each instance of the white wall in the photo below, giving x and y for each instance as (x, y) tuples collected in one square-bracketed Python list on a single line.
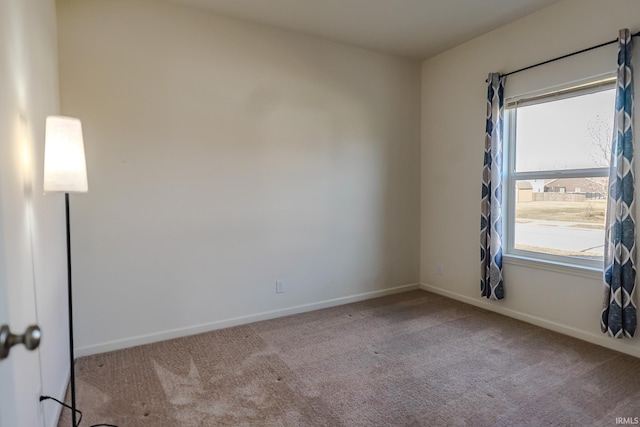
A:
[(453, 114), (32, 225), (224, 155)]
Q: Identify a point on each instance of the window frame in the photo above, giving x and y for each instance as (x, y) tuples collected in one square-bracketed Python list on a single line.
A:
[(511, 176)]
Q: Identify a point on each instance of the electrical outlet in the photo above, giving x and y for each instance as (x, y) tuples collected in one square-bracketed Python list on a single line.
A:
[(279, 286), (39, 407), (440, 269)]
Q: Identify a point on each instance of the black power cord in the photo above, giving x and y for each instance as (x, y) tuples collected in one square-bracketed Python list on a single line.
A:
[(77, 411)]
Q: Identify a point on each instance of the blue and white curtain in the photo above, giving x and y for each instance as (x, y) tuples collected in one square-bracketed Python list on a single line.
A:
[(619, 313), (491, 281)]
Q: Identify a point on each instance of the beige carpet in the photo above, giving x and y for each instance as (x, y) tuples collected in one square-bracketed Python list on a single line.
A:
[(412, 359)]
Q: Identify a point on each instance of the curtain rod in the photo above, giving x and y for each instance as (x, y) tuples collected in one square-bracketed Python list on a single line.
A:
[(565, 56)]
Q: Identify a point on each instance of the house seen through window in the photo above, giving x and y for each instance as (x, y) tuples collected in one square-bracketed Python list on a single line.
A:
[(557, 160)]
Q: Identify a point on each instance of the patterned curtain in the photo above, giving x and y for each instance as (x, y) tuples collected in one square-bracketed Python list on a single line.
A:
[(619, 312), (491, 282)]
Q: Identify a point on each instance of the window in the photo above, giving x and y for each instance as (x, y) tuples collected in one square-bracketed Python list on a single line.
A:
[(557, 166)]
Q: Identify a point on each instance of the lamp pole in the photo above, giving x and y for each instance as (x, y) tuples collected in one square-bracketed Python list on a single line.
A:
[(72, 380)]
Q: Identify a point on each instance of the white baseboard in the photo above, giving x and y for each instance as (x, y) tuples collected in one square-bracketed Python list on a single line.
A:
[(235, 321), (601, 340)]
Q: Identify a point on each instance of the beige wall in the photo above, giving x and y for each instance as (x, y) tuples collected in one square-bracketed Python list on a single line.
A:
[(223, 156), (453, 114), (32, 256)]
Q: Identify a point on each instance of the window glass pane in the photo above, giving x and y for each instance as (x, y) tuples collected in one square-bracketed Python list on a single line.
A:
[(571, 133), (564, 216)]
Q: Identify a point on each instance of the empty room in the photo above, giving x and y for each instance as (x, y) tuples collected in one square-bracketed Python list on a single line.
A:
[(318, 213)]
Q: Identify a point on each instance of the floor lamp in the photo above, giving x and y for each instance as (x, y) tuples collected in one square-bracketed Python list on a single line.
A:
[(65, 171)]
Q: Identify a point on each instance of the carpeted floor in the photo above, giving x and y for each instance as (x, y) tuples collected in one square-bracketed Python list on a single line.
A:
[(412, 359)]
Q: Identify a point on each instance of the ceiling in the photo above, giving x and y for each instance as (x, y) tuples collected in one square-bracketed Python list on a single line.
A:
[(415, 29)]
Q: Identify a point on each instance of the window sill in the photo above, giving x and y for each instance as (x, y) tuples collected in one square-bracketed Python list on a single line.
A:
[(554, 266)]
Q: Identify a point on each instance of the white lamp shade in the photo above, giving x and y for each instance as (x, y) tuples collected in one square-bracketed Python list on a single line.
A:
[(65, 168)]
